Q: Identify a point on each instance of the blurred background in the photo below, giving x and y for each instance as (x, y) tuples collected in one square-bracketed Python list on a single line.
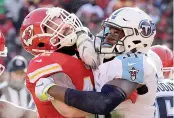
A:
[(90, 12)]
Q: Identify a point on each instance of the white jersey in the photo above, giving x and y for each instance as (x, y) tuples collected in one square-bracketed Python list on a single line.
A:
[(135, 68), (164, 99)]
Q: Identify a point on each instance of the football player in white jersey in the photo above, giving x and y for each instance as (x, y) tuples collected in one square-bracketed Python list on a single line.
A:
[(165, 89), (131, 33)]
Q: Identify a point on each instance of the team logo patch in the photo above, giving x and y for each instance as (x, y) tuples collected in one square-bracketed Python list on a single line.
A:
[(133, 73), (147, 28), (27, 34)]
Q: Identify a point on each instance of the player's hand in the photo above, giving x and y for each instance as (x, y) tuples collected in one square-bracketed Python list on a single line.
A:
[(84, 30), (42, 86), (87, 52), (85, 46)]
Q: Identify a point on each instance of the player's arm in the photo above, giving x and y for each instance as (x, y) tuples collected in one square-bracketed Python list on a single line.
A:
[(65, 81), (112, 94), (67, 111)]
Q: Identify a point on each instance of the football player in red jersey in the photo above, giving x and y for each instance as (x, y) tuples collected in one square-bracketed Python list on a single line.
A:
[(164, 95), (114, 92), (167, 58), (44, 31)]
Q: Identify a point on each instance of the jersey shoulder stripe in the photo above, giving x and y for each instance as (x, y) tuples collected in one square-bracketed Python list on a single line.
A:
[(45, 70)]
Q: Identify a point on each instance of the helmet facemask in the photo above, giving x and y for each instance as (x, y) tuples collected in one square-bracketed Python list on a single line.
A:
[(111, 40), (62, 27)]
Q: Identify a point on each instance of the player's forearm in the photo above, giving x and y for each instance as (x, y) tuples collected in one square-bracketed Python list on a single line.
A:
[(57, 92), (93, 102)]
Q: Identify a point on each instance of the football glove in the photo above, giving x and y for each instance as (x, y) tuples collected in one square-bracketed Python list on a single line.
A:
[(85, 47), (42, 87)]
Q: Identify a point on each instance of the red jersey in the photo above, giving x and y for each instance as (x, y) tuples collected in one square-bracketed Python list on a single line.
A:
[(47, 64)]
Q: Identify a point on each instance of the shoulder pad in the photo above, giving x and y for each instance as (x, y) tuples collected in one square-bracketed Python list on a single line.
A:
[(132, 68), (42, 66)]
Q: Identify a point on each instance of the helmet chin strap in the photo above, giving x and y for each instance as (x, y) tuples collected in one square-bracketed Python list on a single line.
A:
[(69, 50), (109, 59)]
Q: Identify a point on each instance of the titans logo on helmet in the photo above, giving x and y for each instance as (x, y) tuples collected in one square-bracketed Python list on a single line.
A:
[(147, 28)]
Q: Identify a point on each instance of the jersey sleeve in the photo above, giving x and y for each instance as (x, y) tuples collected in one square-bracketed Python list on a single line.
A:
[(106, 72), (42, 66)]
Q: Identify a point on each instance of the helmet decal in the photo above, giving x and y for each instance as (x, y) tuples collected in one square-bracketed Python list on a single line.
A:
[(27, 34), (147, 28)]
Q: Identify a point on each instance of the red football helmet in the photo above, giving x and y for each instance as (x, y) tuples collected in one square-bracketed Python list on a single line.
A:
[(3, 52), (166, 57), (46, 29)]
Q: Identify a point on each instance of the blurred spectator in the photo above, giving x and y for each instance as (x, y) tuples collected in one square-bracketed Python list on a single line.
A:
[(91, 12), (46, 3), (15, 91), (13, 7), (72, 5), (116, 4), (3, 78), (91, 15), (103, 3), (165, 27)]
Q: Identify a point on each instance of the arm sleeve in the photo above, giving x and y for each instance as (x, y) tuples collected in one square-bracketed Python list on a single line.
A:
[(96, 102)]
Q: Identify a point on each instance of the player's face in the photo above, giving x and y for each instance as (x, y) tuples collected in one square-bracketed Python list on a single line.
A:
[(65, 29), (114, 36)]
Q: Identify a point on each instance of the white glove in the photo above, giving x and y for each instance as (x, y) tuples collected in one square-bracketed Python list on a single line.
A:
[(84, 30), (42, 87), (87, 51)]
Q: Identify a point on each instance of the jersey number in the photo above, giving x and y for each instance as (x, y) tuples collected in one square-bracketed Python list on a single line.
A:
[(165, 106)]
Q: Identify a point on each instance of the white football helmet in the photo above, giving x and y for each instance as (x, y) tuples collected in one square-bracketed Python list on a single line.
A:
[(157, 63), (126, 30)]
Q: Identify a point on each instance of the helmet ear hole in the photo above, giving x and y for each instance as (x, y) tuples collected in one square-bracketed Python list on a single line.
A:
[(145, 45), (136, 42), (45, 29), (41, 44)]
